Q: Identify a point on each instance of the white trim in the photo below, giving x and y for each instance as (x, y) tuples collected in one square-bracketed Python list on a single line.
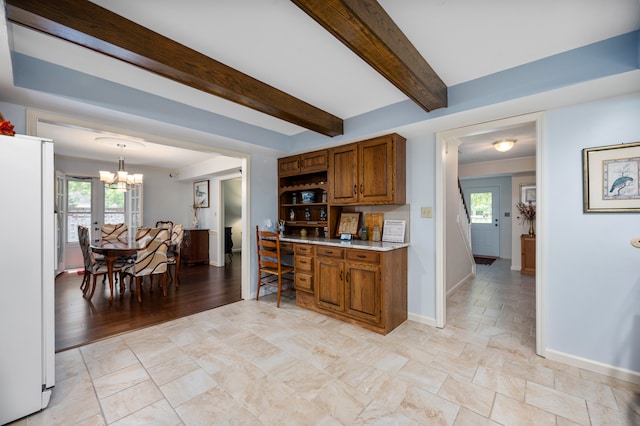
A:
[(595, 367), (422, 319), (441, 226), (454, 288), (541, 223)]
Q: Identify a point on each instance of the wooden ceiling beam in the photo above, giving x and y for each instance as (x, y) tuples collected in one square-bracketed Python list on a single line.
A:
[(89, 25), (365, 27)]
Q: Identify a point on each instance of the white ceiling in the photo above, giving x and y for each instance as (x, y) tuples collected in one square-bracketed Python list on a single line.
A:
[(277, 43)]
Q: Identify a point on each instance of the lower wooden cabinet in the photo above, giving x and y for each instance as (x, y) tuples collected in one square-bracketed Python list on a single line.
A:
[(528, 248), (303, 263), (195, 246), (363, 287)]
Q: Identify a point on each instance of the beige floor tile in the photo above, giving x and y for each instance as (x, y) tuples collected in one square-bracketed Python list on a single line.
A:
[(508, 411), (422, 375), (476, 398), (500, 382), (427, 408), (469, 418), (130, 400), (120, 380), (251, 363), (559, 403), (189, 386), (157, 414)]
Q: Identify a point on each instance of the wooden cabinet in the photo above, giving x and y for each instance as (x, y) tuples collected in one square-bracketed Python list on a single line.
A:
[(528, 248), (303, 163), (303, 263), (368, 172), (195, 246), (330, 277), (363, 287)]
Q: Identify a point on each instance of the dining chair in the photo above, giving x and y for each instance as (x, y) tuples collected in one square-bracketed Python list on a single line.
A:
[(151, 259), (92, 266), (114, 232), (166, 224), (173, 256), (271, 270)]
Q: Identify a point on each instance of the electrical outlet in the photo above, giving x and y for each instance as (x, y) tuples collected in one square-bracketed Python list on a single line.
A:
[(426, 212)]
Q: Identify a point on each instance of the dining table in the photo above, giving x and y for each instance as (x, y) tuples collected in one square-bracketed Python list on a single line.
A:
[(112, 251)]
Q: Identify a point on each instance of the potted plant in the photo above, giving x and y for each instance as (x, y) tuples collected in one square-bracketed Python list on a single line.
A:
[(527, 213)]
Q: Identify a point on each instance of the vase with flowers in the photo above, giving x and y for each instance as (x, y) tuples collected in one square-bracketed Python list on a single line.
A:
[(527, 213), (195, 221), (6, 128)]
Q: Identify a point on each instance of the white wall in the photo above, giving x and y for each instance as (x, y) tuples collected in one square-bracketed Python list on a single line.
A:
[(233, 210), (593, 273)]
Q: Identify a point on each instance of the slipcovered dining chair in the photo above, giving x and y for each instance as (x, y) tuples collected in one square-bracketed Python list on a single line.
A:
[(173, 256), (166, 224), (151, 259), (271, 270), (92, 266), (114, 232)]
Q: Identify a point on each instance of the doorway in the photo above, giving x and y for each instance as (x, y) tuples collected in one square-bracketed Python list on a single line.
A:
[(446, 186)]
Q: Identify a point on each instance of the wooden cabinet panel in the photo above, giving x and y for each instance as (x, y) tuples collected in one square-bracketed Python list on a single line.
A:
[(363, 291), (343, 167), (195, 246), (303, 264), (329, 280), (309, 162), (369, 172), (528, 248)]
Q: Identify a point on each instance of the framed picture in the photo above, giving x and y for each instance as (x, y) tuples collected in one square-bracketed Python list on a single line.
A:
[(393, 231), (201, 194), (349, 224), (528, 193), (610, 181)]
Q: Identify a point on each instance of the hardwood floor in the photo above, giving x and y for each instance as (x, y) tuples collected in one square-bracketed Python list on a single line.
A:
[(80, 321)]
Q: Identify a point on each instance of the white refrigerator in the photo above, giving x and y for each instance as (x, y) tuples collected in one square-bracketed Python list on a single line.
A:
[(27, 332)]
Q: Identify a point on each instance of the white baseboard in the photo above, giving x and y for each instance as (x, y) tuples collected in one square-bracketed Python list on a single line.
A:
[(422, 319), (594, 366), (459, 284)]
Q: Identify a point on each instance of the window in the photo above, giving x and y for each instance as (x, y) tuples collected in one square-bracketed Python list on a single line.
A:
[(481, 207), (113, 205), (78, 207)]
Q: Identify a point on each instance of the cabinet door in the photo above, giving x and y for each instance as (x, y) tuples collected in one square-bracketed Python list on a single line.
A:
[(329, 284), (343, 167), (289, 165), (375, 184), (363, 291), (313, 161)]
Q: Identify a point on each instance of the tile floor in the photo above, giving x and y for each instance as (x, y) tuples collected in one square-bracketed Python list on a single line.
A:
[(250, 363)]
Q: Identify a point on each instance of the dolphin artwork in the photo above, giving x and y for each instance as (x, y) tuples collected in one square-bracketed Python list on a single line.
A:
[(620, 183)]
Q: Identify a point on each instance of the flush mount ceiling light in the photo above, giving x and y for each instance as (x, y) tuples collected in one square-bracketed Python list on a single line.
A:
[(504, 145), (121, 180)]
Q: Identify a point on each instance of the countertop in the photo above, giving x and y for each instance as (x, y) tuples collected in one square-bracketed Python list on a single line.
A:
[(335, 242)]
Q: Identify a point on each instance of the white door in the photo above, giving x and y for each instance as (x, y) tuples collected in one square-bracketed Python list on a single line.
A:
[(484, 204)]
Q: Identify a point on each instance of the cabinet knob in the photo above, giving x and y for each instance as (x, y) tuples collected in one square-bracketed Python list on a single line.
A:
[(361, 188), (355, 189)]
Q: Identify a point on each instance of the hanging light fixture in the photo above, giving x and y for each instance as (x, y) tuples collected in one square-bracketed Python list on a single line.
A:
[(504, 145), (121, 180)]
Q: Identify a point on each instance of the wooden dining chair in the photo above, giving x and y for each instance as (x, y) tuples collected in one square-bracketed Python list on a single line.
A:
[(271, 270), (92, 266), (151, 259), (114, 232), (173, 256)]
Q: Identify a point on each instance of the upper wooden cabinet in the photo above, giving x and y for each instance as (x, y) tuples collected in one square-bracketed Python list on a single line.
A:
[(368, 172), (309, 162)]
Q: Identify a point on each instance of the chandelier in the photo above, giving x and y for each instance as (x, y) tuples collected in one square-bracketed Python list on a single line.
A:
[(121, 180)]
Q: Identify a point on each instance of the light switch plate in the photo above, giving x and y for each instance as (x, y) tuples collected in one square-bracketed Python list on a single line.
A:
[(426, 212)]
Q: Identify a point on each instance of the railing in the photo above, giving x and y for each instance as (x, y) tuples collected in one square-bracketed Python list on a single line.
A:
[(464, 220)]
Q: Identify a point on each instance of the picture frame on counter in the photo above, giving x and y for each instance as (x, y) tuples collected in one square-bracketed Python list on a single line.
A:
[(349, 224), (393, 231)]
